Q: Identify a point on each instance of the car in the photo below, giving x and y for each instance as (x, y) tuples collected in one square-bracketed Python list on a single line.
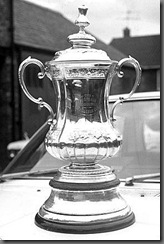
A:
[(24, 183)]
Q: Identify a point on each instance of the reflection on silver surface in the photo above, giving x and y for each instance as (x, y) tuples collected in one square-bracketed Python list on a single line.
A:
[(83, 132)]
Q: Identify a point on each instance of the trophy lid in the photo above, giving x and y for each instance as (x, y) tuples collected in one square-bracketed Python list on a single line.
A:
[(81, 45)]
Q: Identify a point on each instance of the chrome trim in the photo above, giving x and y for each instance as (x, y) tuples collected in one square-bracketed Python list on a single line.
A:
[(137, 96)]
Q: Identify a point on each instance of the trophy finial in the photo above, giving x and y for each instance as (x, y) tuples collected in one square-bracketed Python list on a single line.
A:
[(82, 20), (82, 38)]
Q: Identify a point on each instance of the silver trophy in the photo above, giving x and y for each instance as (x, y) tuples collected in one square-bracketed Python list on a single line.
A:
[(84, 196)]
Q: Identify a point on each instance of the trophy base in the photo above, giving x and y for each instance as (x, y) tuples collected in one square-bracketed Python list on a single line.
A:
[(84, 201), (81, 228)]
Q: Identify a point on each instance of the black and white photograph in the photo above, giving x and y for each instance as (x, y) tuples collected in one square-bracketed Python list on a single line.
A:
[(80, 120)]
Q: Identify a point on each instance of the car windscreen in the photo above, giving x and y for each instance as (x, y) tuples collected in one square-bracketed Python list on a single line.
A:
[(138, 122)]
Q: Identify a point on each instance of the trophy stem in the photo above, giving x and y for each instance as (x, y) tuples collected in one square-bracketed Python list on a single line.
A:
[(84, 201)]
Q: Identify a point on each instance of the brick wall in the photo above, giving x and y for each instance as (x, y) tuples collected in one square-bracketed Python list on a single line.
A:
[(5, 20), (5, 80), (125, 84)]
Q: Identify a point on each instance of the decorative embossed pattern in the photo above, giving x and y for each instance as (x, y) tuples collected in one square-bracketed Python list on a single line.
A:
[(85, 73)]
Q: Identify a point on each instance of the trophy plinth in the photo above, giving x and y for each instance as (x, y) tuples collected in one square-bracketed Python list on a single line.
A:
[(84, 200), (84, 196)]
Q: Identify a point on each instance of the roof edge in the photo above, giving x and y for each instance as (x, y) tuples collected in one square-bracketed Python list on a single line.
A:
[(42, 7)]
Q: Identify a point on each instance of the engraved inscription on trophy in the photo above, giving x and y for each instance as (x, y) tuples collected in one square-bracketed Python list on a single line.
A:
[(88, 104)]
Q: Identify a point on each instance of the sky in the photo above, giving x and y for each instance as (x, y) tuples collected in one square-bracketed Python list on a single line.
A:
[(108, 18)]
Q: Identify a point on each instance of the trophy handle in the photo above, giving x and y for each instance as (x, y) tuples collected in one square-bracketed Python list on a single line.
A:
[(120, 74), (41, 75)]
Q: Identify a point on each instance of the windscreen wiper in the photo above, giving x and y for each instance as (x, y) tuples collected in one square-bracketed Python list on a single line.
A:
[(128, 181), (139, 178), (27, 173)]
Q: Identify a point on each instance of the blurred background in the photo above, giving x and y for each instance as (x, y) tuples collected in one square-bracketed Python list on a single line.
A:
[(108, 18), (39, 28)]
